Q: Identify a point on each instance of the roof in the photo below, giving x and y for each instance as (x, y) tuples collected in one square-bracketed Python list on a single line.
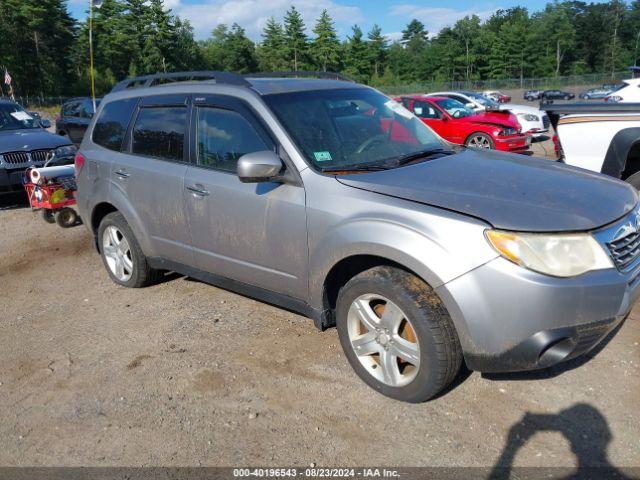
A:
[(261, 83), (266, 86)]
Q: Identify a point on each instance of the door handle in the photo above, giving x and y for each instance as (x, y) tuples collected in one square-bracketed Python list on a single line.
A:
[(196, 190), (122, 174)]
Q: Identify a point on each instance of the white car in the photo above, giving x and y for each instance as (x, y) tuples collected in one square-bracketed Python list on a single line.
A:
[(629, 92), (531, 119), (601, 137)]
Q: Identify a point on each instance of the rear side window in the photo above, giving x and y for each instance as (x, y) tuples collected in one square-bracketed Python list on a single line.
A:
[(159, 132), (223, 136), (111, 126)]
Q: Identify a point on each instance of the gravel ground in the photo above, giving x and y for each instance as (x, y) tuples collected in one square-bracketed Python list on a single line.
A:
[(185, 374)]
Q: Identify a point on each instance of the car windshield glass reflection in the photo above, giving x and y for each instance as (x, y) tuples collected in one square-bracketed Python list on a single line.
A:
[(352, 128), (12, 117)]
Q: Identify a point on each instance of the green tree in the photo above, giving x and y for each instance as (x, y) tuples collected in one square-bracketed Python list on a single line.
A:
[(325, 47), (271, 52), (356, 60), (377, 49), (296, 47)]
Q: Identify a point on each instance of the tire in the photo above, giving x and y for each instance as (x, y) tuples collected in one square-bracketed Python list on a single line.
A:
[(48, 216), (422, 317), (634, 180), (66, 217), (479, 140), (134, 271), (567, 97)]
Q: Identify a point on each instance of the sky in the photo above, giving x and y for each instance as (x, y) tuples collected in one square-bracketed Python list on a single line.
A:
[(392, 15)]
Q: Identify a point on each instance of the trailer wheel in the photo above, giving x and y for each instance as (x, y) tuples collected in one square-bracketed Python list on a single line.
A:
[(66, 217), (47, 216)]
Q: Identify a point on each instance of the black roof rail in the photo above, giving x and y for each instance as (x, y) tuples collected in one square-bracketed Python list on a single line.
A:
[(300, 73), (226, 78)]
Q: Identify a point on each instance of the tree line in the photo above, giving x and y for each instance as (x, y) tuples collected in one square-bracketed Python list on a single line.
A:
[(47, 51)]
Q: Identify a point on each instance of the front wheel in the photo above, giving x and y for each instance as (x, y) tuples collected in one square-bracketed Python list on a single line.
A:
[(397, 334), (122, 255), (479, 140)]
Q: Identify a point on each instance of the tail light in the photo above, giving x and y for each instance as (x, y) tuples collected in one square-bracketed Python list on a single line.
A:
[(79, 162)]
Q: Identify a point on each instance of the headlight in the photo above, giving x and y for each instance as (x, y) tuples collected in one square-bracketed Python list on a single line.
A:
[(66, 151), (560, 255), (529, 117), (508, 131)]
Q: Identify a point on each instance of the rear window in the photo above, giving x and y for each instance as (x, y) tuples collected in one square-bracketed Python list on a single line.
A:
[(159, 132), (112, 123)]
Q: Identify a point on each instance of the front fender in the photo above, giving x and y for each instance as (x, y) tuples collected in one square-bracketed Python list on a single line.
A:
[(431, 259)]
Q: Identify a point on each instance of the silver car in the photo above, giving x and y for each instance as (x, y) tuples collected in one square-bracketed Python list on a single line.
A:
[(329, 199)]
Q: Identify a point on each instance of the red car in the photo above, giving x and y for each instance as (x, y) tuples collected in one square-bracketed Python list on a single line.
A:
[(456, 123)]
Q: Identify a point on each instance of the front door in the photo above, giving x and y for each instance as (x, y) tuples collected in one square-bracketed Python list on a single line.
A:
[(255, 233), (433, 117)]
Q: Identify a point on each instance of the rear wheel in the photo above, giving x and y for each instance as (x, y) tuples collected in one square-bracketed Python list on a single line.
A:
[(479, 140), (122, 255), (397, 334)]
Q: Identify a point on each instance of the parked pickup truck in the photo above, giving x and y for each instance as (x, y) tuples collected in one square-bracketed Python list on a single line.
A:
[(600, 137)]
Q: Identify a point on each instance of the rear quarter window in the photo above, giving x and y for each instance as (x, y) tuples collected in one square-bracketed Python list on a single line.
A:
[(111, 125)]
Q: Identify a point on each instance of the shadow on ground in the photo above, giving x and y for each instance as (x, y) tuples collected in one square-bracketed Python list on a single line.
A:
[(587, 432)]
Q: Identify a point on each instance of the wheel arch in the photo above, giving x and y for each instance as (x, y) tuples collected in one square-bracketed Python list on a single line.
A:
[(347, 268), (116, 204), (623, 154)]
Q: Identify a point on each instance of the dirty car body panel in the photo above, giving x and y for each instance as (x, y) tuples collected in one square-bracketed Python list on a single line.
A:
[(281, 240)]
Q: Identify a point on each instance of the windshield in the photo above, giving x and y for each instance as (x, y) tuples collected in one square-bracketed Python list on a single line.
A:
[(454, 108), (351, 128), (14, 117), (482, 100)]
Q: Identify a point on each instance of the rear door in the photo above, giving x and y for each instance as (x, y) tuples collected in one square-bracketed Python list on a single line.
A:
[(150, 173), (254, 233)]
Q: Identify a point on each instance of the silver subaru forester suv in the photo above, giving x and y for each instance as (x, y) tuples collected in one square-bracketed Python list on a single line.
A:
[(329, 199)]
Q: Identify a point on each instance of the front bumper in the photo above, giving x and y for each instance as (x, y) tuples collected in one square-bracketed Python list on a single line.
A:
[(512, 319), (513, 143)]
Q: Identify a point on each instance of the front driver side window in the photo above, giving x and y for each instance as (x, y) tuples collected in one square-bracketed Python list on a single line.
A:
[(223, 136), (424, 110)]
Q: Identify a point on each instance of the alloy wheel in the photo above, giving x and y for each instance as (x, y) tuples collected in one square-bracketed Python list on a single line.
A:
[(479, 141), (383, 339), (117, 253)]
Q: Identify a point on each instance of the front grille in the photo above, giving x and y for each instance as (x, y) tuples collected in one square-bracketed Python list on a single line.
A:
[(625, 250), (40, 155), (545, 121), (16, 158)]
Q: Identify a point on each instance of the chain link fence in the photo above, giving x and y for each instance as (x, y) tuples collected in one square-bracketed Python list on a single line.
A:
[(539, 83)]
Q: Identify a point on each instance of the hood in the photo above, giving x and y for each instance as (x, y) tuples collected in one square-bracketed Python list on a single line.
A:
[(501, 119), (29, 139), (510, 192)]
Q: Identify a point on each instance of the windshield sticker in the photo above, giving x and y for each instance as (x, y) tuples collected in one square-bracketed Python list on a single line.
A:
[(322, 156), (21, 116), (399, 109)]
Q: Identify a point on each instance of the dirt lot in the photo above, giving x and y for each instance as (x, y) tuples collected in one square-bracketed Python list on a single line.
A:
[(183, 373)]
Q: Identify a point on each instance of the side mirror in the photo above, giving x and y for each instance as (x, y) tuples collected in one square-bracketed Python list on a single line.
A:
[(259, 167), (44, 123)]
